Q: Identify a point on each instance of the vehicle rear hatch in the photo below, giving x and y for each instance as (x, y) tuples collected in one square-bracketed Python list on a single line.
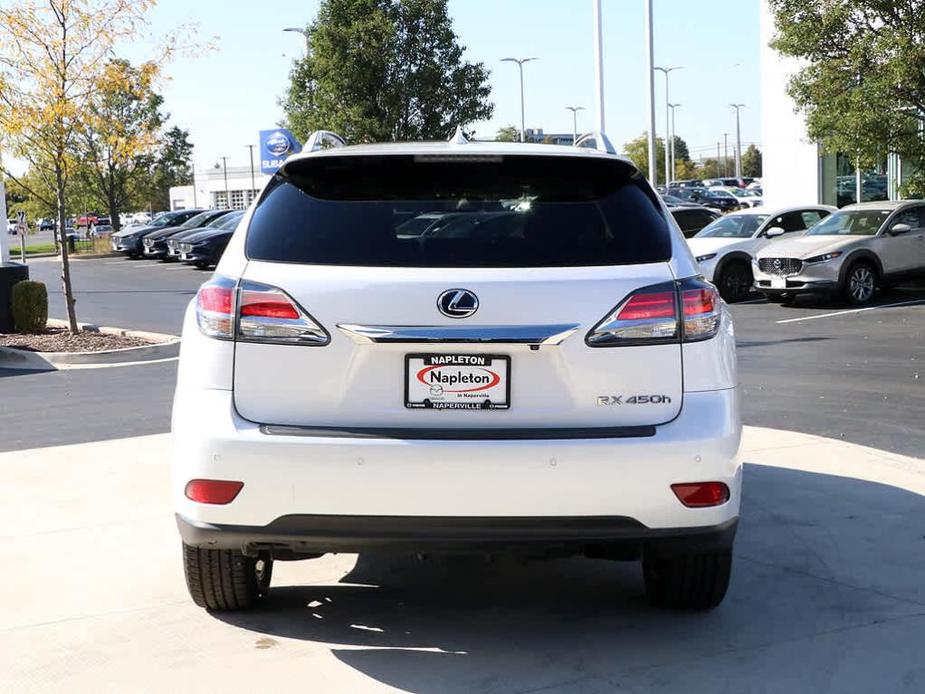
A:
[(548, 247)]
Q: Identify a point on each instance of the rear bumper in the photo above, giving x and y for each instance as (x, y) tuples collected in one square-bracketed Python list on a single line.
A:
[(310, 534), (359, 475)]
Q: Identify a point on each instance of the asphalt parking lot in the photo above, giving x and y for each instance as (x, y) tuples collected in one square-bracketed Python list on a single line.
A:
[(815, 367), (826, 593)]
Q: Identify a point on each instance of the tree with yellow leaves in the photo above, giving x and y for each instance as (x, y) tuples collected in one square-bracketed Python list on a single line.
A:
[(55, 58)]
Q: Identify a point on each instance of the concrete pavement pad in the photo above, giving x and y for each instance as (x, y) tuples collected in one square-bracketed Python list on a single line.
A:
[(826, 595)]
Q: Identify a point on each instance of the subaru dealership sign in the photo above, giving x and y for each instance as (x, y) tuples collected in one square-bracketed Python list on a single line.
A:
[(275, 146)]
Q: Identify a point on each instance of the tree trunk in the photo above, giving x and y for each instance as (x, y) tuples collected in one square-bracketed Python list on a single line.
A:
[(114, 213), (65, 263)]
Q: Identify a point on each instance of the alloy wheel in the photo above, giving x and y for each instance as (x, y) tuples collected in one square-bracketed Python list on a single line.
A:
[(861, 284)]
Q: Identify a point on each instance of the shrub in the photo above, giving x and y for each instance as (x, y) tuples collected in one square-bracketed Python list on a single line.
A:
[(30, 306)]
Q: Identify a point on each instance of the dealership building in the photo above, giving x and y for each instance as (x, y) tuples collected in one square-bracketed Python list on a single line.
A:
[(219, 188), (795, 170)]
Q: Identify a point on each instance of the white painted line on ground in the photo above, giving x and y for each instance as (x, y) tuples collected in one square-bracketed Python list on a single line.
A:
[(853, 310), (69, 367)]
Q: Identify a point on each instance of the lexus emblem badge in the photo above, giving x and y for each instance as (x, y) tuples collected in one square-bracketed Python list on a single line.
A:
[(457, 303)]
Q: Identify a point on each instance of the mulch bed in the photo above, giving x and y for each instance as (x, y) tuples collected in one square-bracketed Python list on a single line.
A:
[(61, 340)]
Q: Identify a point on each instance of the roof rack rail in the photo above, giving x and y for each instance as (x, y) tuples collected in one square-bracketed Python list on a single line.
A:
[(459, 137), (323, 139), (596, 140)]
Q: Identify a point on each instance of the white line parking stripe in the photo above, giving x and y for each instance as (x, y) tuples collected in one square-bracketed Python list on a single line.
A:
[(853, 310)]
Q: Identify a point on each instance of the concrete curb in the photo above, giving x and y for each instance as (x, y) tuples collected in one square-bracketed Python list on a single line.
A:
[(71, 256), (167, 347)]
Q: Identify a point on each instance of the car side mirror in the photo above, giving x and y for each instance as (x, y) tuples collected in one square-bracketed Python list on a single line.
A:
[(774, 232), (900, 228)]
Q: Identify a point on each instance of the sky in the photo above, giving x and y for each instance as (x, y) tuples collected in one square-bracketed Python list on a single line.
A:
[(226, 95)]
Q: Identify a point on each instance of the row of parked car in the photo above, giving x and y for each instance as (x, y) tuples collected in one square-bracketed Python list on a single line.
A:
[(848, 253), (197, 237)]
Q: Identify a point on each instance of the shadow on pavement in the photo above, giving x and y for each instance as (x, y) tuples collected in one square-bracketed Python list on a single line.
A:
[(826, 596)]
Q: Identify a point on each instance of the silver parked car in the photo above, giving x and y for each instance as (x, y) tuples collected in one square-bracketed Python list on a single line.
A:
[(852, 253)]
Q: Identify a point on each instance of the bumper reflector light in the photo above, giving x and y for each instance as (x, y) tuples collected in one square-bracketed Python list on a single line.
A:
[(701, 494), (213, 491)]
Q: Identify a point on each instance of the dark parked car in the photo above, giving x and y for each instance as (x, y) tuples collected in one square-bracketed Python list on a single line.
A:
[(155, 242), (228, 222), (693, 218), (129, 241), (716, 199), (206, 247)]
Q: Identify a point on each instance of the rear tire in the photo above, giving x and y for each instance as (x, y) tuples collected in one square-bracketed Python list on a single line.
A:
[(695, 581), (223, 579), (735, 282), (860, 284)]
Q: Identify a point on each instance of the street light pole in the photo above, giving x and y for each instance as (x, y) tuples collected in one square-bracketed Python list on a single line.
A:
[(304, 33), (725, 154), (738, 152), (650, 67), (667, 71), (250, 149), (598, 62), (673, 136), (575, 110), (4, 232), (520, 66)]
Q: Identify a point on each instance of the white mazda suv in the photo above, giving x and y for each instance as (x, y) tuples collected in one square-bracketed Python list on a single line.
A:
[(536, 367)]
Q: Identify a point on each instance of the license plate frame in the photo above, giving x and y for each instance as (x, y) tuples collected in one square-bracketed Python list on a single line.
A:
[(450, 360)]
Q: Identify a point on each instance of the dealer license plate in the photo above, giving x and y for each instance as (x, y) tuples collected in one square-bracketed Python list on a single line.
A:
[(458, 381), (778, 283)]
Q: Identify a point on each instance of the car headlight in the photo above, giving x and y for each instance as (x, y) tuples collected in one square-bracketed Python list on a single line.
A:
[(824, 257), (702, 258)]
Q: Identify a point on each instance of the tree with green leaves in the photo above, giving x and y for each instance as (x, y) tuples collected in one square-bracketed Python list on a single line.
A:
[(171, 165), (119, 135), (385, 70), (751, 162), (862, 87), (508, 133), (638, 151), (53, 57)]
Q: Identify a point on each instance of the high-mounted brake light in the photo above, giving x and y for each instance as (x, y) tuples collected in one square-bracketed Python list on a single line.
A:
[(268, 314), (688, 311)]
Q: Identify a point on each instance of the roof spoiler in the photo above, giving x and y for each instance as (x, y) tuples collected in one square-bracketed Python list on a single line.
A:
[(596, 140), (323, 139)]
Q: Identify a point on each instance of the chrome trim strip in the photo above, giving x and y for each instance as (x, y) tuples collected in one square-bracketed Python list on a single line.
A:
[(534, 335)]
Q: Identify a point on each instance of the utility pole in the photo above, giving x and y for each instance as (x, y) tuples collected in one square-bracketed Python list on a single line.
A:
[(575, 110), (225, 172), (250, 149), (717, 159), (667, 71), (738, 152), (725, 155), (598, 63), (674, 171), (520, 66), (650, 68)]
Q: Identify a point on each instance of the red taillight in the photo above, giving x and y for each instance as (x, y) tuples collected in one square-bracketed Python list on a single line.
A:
[(216, 299), (213, 491), (215, 307), (269, 309), (701, 494), (268, 314), (648, 306), (696, 302)]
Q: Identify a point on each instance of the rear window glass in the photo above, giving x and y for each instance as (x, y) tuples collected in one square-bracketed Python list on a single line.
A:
[(456, 211)]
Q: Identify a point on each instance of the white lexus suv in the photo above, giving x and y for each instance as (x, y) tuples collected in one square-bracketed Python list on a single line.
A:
[(535, 367)]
